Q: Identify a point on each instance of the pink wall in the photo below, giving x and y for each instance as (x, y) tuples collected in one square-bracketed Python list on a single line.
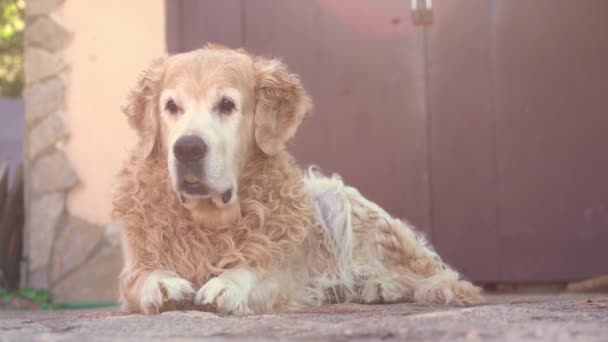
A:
[(112, 43)]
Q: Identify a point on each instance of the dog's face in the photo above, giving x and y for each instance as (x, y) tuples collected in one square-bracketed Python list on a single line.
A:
[(208, 112)]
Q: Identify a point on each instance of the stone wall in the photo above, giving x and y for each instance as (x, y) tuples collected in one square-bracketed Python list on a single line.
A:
[(76, 259)]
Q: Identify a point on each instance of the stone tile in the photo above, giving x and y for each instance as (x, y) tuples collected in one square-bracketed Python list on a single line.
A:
[(95, 280), (41, 7), (39, 278), (74, 245), (48, 32), (113, 233), (43, 98), (43, 215), (48, 132), (52, 172), (551, 318), (40, 64)]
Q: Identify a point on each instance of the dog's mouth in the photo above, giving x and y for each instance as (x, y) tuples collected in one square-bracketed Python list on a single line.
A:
[(193, 190), (194, 187)]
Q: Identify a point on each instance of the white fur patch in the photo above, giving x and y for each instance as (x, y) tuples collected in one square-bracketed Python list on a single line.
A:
[(333, 213), (229, 292)]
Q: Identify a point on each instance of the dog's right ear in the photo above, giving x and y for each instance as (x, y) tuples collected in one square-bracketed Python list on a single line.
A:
[(142, 112)]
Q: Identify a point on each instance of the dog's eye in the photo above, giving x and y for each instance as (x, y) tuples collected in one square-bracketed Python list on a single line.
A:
[(172, 107), (226, 105)]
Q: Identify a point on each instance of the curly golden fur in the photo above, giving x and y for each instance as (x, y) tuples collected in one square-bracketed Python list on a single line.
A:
[(289, 238), (275, 217)]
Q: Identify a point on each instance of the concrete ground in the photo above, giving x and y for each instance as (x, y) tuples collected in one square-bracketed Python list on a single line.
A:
[(539, 317)]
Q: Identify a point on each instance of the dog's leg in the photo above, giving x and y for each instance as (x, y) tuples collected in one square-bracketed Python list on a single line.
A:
[(419, 268), (409, 269), (228, 293), (156, 291)]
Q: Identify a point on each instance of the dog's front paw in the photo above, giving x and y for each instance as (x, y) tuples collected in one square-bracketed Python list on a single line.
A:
[(162, 293), (222, 296)]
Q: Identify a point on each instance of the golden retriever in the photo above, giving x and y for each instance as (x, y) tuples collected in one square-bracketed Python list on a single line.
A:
[(218, 216)]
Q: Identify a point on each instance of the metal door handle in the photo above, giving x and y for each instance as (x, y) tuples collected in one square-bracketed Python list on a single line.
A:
[(422, 12)]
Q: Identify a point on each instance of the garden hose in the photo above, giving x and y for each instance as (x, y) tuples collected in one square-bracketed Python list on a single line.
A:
[(86, 305)]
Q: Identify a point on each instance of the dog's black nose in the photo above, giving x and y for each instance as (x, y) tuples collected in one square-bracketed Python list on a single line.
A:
[(189, 148)]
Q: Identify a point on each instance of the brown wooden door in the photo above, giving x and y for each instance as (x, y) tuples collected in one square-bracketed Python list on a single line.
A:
[(519, 127), (487, 130), (462, 149), (551, 84)]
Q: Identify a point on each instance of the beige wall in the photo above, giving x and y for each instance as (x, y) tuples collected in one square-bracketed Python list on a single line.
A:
[(113, 41)]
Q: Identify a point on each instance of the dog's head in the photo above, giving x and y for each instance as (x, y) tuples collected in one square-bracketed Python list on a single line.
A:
[(208, 112)]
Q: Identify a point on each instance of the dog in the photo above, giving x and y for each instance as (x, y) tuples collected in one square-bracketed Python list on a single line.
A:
[(217, 215)]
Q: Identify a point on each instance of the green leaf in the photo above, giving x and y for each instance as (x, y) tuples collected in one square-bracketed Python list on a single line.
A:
[(43, 296), (12, 24), (27, 292)]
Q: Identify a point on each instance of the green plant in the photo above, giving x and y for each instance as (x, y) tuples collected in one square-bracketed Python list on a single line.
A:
[(12, 25), (26, 298)]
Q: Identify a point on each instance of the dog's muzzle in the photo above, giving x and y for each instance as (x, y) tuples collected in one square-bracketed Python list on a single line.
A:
[(190, 152)]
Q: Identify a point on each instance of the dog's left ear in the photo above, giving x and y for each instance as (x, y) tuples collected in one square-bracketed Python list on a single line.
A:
[(281, 105)]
